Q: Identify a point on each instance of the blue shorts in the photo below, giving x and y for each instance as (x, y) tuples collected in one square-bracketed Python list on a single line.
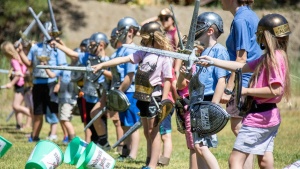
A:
[(129, 117), (166, 125), (51, 118)]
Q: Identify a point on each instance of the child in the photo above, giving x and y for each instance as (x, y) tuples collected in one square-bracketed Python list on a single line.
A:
[(96, 52), (66, 100), (268, 84), (17, 81), (158, 69), (209, 28)]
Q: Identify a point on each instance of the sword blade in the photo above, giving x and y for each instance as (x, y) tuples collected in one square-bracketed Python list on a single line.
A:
[(70, 68), (189, 58), (160, 52), (95, 118), (4, 71), (132, 129), (178, 33), (192, 31), (42, 28), (54, 26), (27, 30), (9, 116)]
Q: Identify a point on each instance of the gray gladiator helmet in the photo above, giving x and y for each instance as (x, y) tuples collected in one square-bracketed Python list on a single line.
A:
[(124, 25), (97, 38), (85, 43), (206, 20), (113, 38)]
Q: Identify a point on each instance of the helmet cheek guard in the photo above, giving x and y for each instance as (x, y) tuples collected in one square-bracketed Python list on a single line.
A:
[(147, 32), (124, 25), (97, 38)]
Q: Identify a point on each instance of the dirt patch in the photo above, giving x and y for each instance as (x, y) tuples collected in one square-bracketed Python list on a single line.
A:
[(103, 17)]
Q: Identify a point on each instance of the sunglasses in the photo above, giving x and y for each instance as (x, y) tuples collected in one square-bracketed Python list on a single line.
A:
[(164, 18)]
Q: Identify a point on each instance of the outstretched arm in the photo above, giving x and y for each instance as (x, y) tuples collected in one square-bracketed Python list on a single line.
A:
[(111, 63), (71, 53)]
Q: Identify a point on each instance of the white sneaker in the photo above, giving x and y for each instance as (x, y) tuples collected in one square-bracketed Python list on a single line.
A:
[(106, 147), (52, 138)]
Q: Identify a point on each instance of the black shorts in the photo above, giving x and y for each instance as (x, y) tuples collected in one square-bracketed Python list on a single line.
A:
[(41, 99), (148, 109), (19, 89)]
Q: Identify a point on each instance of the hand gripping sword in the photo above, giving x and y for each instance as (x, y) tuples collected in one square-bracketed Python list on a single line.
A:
[(27, 30), (132, 129), (190, 59), (55, 32)]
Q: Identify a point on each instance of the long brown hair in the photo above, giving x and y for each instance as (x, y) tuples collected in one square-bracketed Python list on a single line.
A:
[(269, 61), (160, 38), (9, 51)]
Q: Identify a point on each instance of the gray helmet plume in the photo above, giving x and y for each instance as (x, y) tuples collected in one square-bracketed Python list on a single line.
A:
[(206, 20), (48, 26), (276, 24), (124, 25)]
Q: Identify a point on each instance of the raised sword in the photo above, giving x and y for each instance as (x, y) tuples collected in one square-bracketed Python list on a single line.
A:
[(55, 32)]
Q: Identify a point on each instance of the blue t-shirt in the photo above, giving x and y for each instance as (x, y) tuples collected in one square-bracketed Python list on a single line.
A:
[(83, 57), (210, 75), (57, 58), (125, 68), (242, 37)]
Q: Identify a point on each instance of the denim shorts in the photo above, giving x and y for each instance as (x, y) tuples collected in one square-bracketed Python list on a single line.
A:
[(166, 125), (256, 141), (209, 141), (51, 118)]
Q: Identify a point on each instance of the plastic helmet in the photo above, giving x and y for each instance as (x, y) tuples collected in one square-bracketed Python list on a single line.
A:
[(48, 26), (147, 32), (150, 27), (124, 25), (85, 42), (165, 12), (276, 24), (113, 38), (98, 37), (77, 50), (206, 20)]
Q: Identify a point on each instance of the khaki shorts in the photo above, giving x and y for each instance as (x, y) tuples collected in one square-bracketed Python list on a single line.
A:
[(113, 115), (65, 111)]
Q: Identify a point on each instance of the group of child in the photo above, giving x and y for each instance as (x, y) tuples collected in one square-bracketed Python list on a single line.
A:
[(148, 79)]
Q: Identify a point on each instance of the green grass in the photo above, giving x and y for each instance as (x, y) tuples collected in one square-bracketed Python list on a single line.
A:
[(286, 151)]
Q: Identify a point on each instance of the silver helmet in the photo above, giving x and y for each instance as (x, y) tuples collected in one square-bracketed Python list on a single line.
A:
[(85, 43), (206, 20), (113, 38), (124, 25), (97, 38)]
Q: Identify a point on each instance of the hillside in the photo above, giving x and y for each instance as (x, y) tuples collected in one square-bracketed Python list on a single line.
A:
[(103, 17)]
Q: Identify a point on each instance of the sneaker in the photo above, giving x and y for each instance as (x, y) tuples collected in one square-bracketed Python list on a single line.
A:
[(65, 140), (30, 139), (105, 147), (145, 167), (52, 138)]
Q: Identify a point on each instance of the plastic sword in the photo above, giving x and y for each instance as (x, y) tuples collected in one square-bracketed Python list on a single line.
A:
[(27, 30), (70, 68), (55, 32), (40, 25)]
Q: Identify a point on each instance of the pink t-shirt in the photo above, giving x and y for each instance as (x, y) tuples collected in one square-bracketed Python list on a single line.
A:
[(163, 67), (17, 67), (272, 117)]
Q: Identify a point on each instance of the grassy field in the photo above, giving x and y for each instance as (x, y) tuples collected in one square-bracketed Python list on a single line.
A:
[(287, 149)]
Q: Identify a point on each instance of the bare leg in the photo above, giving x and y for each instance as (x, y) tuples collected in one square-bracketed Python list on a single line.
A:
[(236, 124), (19, 119), (237, 159), (147, 136), (167, 145), (266, 161), (17, 104), (88, 135), (99, 125), (155, 143), (37, 125), (208, 158)]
